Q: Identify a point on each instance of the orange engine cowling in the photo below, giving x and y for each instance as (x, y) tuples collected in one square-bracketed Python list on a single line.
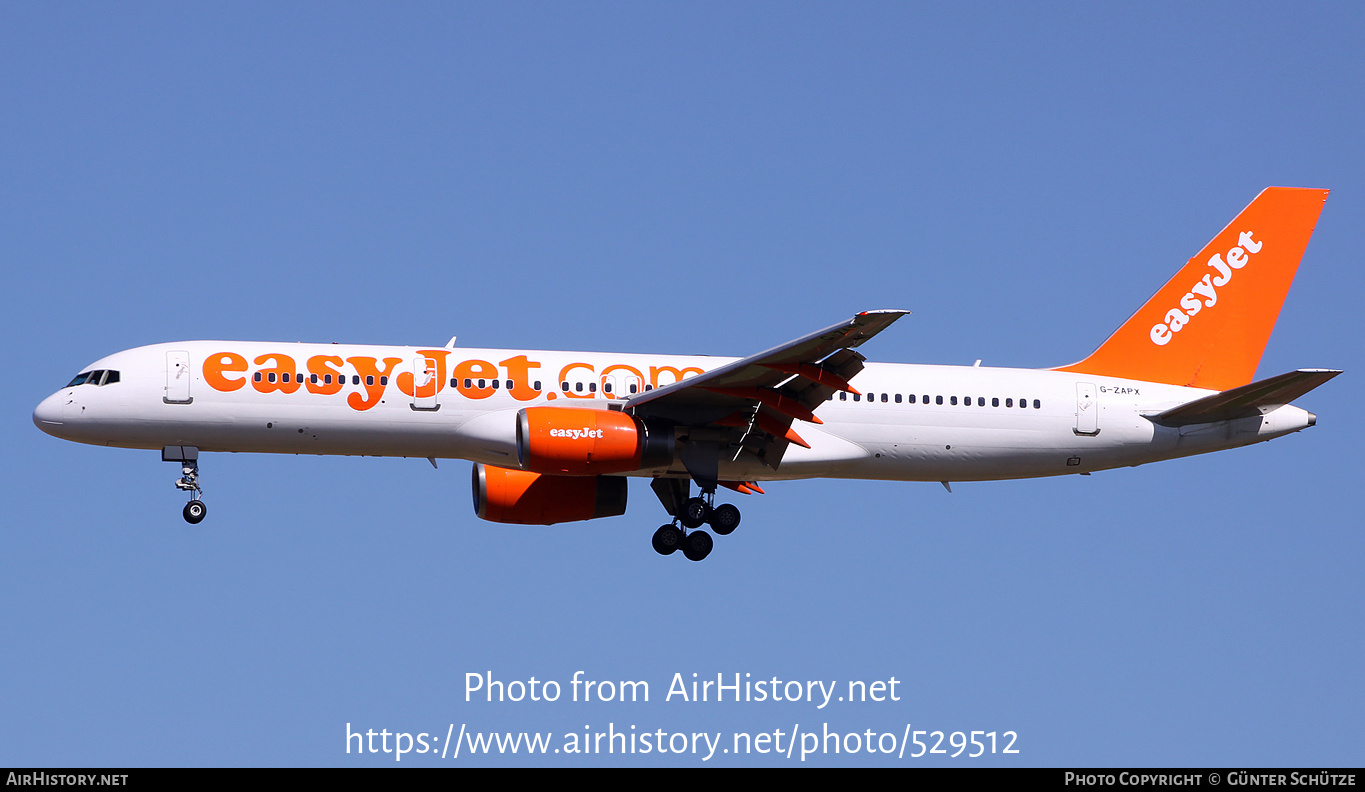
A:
[(568, 441), (525, 498)]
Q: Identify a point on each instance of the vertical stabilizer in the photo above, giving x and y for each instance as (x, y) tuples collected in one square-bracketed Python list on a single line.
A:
[(1208, 326)]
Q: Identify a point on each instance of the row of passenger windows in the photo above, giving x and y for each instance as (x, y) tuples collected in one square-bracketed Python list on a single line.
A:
[(592, 387), (106, 377), (369, 380), (911, 398), (101, 377), (314, 378)]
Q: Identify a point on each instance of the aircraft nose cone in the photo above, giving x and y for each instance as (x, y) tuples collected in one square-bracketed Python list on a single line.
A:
[(48, 415)]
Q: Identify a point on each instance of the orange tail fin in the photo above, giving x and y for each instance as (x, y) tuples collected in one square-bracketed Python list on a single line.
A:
[(1207, 327)]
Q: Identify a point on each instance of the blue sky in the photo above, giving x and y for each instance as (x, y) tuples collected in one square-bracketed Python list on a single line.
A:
[(677, 178)]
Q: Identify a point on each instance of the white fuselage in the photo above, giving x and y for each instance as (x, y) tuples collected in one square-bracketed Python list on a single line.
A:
[(977, 424)]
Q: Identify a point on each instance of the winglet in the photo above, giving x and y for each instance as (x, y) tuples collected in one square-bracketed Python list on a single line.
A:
[(1207, 327)]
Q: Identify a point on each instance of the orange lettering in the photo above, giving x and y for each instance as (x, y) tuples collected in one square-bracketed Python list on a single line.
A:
[(470, 372), (274, 379), (519, 372), (217, 363), (405, 383), (654, 372), (372, 378), (625, 389), (321, 366), (564, 377)]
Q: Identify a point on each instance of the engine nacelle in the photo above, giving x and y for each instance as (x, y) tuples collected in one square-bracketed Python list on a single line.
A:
[(525, 498), (568, 441)]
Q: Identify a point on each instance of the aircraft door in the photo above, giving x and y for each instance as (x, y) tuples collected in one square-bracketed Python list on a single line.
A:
[(1087, 410), (424, 384), (178, 378)]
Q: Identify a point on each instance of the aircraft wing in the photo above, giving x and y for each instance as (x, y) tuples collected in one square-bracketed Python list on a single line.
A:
[(760, 396)]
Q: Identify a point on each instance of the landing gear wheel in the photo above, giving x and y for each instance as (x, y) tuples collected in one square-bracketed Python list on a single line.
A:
[(667, 539), (695, 512), (195, 511), (697, 545), (724, 519)]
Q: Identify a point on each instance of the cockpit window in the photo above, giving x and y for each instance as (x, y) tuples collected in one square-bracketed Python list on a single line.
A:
[(101, 377)]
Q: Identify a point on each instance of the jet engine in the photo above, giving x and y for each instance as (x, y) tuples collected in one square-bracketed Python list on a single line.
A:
[(568, 441), (526, 498)]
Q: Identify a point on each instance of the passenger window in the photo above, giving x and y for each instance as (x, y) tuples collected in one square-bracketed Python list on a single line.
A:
[(1037, 405), (270, 377), (578, 386), (383, 380), (369, 379), (843, 395), (952, 400), (1009, 402), (564, 386), (898, 398), (938, 399), (483, 383), (634, 388), (496, 383), (592, 387), (910, 398), (454, 383), (537, 385), (995, 402), (256, 376), (857, 397), (355, 379), (980, 401)]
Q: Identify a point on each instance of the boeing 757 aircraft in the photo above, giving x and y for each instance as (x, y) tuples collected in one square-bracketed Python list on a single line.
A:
[(553, 435)]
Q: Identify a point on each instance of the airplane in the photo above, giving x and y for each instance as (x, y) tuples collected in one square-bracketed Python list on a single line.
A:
[(553, 436)]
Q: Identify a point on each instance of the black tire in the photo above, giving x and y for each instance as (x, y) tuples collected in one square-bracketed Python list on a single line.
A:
[(724, 519), (667, 540), (697, 545), (695, 513), (195, 511)]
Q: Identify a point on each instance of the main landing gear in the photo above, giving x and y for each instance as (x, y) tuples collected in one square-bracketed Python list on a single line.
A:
[(188, 457), (688, 517)]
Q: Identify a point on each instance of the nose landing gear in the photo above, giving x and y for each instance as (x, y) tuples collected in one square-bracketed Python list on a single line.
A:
[(188, 457)]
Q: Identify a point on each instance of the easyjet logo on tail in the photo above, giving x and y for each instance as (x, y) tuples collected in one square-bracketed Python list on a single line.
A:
[(1204, 293), (1219, 347)]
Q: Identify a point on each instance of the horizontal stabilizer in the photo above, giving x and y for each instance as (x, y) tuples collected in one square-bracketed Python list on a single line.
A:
[(1258, 398)]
